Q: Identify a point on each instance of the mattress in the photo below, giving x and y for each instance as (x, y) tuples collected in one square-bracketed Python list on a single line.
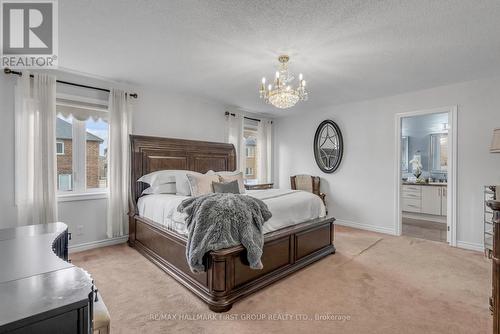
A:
[(288, 207)]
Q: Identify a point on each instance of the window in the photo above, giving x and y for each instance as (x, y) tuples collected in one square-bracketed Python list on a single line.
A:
[(82, 148), (250, 134), (60, 148), (97, 151), (250, 150), (64, 133), (249, 171)]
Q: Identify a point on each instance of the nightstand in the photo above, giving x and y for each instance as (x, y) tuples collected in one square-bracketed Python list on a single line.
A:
[(259, 186)]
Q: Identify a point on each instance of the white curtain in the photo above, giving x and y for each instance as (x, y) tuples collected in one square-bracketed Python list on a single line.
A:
[(118, 162), (35, 149), (264, 150), (234, 135)]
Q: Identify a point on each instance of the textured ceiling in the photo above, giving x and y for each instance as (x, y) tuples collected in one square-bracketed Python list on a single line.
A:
[(348, 50)]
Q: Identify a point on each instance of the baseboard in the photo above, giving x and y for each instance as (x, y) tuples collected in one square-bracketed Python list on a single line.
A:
[(97, 244), (373, 228), (387, 230), (470, 246)]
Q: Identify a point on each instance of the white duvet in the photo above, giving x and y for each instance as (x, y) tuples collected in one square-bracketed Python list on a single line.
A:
[(289, 207)]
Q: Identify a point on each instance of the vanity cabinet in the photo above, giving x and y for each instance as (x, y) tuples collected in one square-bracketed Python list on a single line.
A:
[(411, 196), (431, 200), (427, 199)]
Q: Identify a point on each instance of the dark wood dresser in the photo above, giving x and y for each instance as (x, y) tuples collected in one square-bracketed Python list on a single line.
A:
[(40, 292)]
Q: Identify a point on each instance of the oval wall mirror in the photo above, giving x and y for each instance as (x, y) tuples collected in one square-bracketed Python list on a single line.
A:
[(328, 146)]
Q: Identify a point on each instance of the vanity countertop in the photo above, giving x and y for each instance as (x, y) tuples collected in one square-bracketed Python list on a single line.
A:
[(438, 184)]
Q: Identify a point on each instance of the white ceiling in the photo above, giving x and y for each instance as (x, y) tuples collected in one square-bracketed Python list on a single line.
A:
[(347, 50)]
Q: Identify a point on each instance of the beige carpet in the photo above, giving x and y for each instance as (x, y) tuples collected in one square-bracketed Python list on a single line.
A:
[(375, 283)]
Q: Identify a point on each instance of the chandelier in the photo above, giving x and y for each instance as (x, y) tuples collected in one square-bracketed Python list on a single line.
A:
[(281, 94)]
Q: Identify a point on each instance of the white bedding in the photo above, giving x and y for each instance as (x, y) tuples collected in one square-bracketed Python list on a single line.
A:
[(289, 207)]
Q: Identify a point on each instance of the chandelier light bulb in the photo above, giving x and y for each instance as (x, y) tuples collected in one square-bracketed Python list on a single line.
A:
[(300, 76), (269, 87), (277, 74), (264, 80), (303, 83)]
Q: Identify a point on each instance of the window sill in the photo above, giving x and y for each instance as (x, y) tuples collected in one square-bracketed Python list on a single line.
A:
[(62, 197)]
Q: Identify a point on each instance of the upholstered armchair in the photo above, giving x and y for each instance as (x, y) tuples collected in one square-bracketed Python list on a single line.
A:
[(307, 183)]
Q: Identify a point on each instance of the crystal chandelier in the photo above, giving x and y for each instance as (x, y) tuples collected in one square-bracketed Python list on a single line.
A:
[(281, 94)]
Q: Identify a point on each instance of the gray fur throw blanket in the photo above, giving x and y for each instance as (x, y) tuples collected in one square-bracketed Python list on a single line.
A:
[(216, 221)]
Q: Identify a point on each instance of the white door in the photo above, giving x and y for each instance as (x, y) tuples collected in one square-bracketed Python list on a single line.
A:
[(431, 200)]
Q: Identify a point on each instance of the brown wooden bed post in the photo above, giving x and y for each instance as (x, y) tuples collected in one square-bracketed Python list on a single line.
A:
[(228, 277)]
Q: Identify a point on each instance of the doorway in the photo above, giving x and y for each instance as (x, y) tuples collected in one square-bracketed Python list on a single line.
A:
[(426, 174)]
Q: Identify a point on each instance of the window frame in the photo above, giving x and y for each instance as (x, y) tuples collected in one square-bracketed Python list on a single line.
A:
[(62, 145), (80, 191)]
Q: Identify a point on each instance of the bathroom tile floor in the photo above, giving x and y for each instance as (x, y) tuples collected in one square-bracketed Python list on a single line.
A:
[(424, 229)]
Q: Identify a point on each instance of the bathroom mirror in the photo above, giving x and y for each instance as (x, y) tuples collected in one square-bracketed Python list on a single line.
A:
[(404, 154), (438, 158), (328, 146)]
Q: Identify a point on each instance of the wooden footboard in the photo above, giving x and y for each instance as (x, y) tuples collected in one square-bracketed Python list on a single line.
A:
[(228, 277)]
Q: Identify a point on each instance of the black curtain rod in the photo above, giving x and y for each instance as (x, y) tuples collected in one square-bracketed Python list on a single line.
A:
[(250, 118), (9, 71)]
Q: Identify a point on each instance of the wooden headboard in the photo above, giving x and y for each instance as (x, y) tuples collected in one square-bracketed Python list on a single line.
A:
[(151, 154)]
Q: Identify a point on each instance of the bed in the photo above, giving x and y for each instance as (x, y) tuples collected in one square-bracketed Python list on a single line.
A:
[(296, 236)]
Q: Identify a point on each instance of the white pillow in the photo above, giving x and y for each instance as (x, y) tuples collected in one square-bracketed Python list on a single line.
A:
[(182, 182), (160, 177), (167, 188), (231, 176)]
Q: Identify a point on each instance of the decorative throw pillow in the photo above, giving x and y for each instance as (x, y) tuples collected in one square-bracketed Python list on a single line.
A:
[(233, 176), (201, 184), (182, 182), (226, 187)]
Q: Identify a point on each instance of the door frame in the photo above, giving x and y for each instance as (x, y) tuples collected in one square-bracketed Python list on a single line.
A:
[(451, 214)]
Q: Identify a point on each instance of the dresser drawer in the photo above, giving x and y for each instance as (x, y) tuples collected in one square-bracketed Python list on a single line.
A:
[(411, 205)]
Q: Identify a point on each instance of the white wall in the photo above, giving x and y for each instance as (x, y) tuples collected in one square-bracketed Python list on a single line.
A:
[(173, 115), (361, 191)]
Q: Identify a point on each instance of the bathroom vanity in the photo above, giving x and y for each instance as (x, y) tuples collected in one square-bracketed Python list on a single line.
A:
[(424, 198)]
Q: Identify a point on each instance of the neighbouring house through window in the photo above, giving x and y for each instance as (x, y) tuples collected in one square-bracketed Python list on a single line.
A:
[(82, 148)]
